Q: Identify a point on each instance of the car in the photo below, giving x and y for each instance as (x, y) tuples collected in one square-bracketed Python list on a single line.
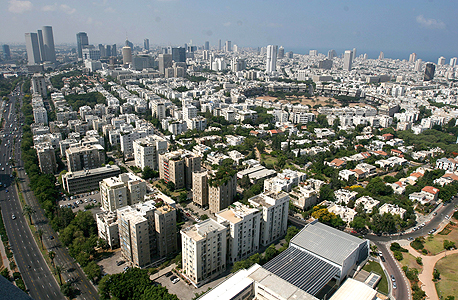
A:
[(173, 278), (392, 278), (394, 285), (410, 239), (120, 262), (13, 217), (176, 280), (168, 274), (6, 191), (382, 258), (51, 237), (29, 266), (125, 269)]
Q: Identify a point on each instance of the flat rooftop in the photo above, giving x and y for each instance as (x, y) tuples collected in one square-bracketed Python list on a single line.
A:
[(93, 172), (354, 290), (198, 231)]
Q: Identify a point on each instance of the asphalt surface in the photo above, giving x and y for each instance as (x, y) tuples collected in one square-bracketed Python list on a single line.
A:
[(35, 272)]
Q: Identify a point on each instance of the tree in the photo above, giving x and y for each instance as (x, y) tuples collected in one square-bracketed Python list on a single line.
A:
[(270, 253), (204, 217), (149, 173), (67, 290), (358, 223), (449, 245), (92, 270), (170, 186), (29, 211), (58, 271), (52, 255), (40, 235)]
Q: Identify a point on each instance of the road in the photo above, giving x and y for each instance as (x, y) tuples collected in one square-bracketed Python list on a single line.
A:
[(35, 272)]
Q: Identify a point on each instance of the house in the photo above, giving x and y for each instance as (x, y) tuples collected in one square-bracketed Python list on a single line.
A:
[(418, 197), (398, 187), (347, 214), (447, 164), (397, 153), (446, 179), (431, 193), (392, 209), (337, 163), (367, 202), (344, 196), (387, 136), (360, 174), (345, 174)]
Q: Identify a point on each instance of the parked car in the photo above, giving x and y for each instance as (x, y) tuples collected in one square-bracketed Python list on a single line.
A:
[(173, 278), (168, 274), (120, 262), (176, 280), (392, 278), (382, 258)]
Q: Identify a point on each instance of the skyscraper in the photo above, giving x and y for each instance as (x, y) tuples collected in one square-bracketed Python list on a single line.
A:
[(129, 44), (103, 51), (281, 52), (347, 60), (33, 50), (353, 55), (179, 54), (219, 45), (271, 62), (452, 61), (108, 50), (165, 61), (381, 55), (6, 52), (429, 72), (114, 52), (146, 44), (41, 45), (228, 46), (331, 54), (207, 45), (441, 61), (48, 42), (418, 65), (81, 41), (126, 55), (413, 57)]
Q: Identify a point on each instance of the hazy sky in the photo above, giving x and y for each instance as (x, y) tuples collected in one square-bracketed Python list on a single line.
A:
[(400, 26)]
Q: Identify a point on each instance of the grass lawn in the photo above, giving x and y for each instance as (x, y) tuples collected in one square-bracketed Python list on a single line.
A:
[(436, 244), (448, 268), (410, 261), (375, 267), (269, 159)]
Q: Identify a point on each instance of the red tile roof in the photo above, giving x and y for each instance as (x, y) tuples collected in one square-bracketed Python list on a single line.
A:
[(430, 189)]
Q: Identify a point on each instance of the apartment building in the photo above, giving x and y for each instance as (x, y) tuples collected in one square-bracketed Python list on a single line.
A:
[(126, 139), (177, 167), (165, 219), (107, 228), (85, 157), (204, 248), (274, 220), (158, 109), (46, 158), (147, 150), (221, 195), (117, 192), (244, 224), (200, 188)]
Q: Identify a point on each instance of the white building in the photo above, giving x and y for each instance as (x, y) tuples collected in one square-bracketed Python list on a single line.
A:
[(368, 203), (392, 209), (271, 62), (117, 192), (284, 181), (147, 150)]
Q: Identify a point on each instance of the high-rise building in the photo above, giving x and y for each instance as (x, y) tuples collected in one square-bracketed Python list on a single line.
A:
[(158, 109), (289, 54), (108, 50), (179, 54), (441, 61), (46, 158), (221, 193), (325, 64), (331, 54), (228, 46), (114, 51), (381, 55), (40, 115), (117, 192), (103, 51), (91, 53), (353, 55), (429, 72), (347, 60), (453, 61), (165, 61), (177, 167), (33, 49), (85, 157), (126, 55), (413, 57), (204, 248), (6, 52), (281, 52), (39, 86), (271, 62), (48, 42), (41, 45), (129, 44), (81, 41), (146, 44), (313, 52), (207, 45), (147, 150), (418, 64), (200, 188), (219, 45)]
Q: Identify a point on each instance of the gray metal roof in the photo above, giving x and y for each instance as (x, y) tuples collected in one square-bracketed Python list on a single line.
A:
[(302, 269), (10, 291), (327, 242)]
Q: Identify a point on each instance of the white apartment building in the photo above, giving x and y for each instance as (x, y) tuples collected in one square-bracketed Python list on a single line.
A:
[(158, 109), (127, 139), (147, 150), (107, 227), (284, 181), (189, 112), (117, 192), (367, 202), (344, 196), (244, 225), (204, 248), (274, 220), (40, 115)]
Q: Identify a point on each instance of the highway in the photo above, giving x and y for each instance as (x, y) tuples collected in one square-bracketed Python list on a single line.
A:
[(35, 272)]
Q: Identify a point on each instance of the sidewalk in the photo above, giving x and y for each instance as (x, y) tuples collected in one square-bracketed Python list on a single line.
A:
[(5, 260)]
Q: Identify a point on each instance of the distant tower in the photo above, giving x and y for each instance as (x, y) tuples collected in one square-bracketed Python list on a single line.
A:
[(126, 55), (207, 45), (281, 52), (413, 57), (271, 62), (441, 61), (331, 54), (6, 52), (41, 45), (129, 44), (165, 61), (146, 44), (347, 60), (228, 46), (429, 72), (48, 41), (219, 45), (453, 61), (33, 50), (114, 51), (418, 65), (382, 55), (178, 54), (81, 41), (353, 55)]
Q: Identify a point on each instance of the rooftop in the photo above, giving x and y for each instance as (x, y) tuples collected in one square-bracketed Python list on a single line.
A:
[(199, 231)]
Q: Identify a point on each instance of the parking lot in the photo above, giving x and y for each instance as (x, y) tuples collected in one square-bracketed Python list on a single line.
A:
[(81, 201), (111, 265)]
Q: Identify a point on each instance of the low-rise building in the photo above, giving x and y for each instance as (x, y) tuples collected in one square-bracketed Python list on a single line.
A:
[(392, 209), (87, 180)]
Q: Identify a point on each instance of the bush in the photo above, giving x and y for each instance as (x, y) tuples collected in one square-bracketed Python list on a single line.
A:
[(449, 245), (418, 244), (419, 261), (436, 275), (398, 255)]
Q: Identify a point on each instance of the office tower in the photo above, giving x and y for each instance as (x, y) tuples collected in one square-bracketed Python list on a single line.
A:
[(146, 44), (48, 41), (102, 50), (441, 61), (117, 192), (129, 44), (221, 193), (147, 150), (313, 52), (413, 57), (271, 62), (179, 54), (33, 50), (274, 217), (81, 41), (325, 64), (140, 62), (289, 54), (244, 225), (382, 55), (39, 87), (165, 61), (114, 51), (219, 45), (452, 61), (200, 188), (91, 53), (204, 247), (46, 158), (177, 167), (41, 45), (347, 60), (6, 52), (235, 48), (108, 50), (207, 45), (126, 55), (331, 54), (353, 55), (429, 72), (281, 52), (228, 46), (418, 65)]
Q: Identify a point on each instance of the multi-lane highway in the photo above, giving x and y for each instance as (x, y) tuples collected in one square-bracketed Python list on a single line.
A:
[(35, 272)]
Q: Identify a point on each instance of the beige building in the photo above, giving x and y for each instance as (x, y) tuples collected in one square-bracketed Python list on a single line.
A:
[(85, 157), (165, 218), (200, 188), (221, 195), (177, 167), (204, 251), (46, 158), (117, 192), (147, 150), (244, 225), (107, 227), (274, 220)]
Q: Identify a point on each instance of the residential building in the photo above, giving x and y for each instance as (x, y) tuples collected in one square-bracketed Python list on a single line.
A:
[(85, 157), (271, 62), (39, 85), (285, 181), (368, 203), (147, 150), (348, 59), (117, 192), (392, 209), (40, 115), (221, 193), (46, 158), (177, 167), (107, 228), (200, 188)]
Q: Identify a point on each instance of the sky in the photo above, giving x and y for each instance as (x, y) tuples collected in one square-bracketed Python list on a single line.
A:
[(427, 27)]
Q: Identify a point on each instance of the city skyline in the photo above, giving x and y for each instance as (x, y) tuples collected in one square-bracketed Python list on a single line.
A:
[(371, 27)]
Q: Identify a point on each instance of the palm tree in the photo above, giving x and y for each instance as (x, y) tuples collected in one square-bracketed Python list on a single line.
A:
[(58, 271), (52, 254), (40, 235), (29, 211)]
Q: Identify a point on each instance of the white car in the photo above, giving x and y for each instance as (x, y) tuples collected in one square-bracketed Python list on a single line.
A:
[(176, 280)]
